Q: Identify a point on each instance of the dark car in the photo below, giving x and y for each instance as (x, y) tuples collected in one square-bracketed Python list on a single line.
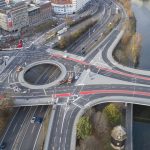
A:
[(2, 146), (38, 120)]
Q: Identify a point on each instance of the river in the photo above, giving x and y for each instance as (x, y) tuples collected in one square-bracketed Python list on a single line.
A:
[(142, 14), (141, 125)]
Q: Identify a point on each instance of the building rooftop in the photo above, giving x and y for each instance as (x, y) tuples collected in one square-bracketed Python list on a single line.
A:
[(12, 4), (32, 7), (2, 3), (62, 1)]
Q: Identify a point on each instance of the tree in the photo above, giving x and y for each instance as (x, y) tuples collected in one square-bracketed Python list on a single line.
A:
[(6, 101), (84, 127), (113, 114), (135, 46)]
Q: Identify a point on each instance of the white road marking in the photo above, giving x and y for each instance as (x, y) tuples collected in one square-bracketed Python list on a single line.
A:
[(39, 131), (44, 92), (32, 129), (78, 105), (41, 109), (14, 127), (16, 75)]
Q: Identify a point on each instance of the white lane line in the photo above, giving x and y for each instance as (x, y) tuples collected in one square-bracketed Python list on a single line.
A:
[(33, 129), (77, 99), (67, 127), (41, 109), (27, 125), (78, 105), (9, 126), (16, 75), (14, 127), (9, 76), (44, 92), (39, 131), (60, 140)]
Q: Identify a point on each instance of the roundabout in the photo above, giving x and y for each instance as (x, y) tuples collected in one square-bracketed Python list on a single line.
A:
[(42, 74)]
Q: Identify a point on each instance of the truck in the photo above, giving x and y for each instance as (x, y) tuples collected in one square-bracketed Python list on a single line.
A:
[(62, 31)]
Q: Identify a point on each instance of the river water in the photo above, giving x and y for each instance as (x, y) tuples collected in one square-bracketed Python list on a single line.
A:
[(141, 123), (142, 14)]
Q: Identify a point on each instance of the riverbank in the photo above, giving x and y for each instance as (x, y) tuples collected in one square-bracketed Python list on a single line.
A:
[(127, 51)]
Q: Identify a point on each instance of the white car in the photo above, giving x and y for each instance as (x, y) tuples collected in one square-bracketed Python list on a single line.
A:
[(77, 77), (33, 119), (16, 89), (6, 57)]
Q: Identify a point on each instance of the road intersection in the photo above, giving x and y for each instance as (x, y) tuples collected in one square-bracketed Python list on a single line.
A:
[(72, 100)]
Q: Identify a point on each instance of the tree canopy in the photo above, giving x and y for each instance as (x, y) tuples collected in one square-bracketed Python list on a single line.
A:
[(113, 114), (6, 101), (84, 127)]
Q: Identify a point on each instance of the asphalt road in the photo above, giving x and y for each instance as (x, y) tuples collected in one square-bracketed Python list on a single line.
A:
[(22, 131)]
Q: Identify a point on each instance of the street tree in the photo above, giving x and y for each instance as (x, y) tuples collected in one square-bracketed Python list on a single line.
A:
[(84, 127), (113, 114)]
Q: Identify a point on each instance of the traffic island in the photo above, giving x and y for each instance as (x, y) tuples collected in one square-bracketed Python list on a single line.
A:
[(42, 74)]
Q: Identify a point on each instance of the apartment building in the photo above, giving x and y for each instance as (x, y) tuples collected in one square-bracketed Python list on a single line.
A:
[(17, 14), (2, 3), (67, 6), (39, 12), (13, 16)]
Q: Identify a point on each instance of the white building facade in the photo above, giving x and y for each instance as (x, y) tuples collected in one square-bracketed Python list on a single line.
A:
[(67, 6)]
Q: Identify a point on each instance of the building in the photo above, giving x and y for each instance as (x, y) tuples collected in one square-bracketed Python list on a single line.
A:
[(68, 6), (118, 137), (2, 3), (17, 14), (39, 12), (13, 16)]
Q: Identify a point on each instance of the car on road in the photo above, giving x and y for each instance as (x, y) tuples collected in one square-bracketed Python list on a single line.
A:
[(77, 77), (19, 68), (33, 119), (16, 89), (6, 57), (2, 146), (37, 120)]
